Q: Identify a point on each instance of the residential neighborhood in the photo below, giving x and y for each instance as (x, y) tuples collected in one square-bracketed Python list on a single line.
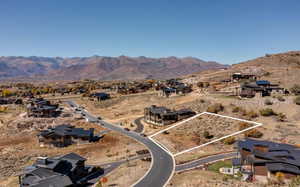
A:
[(153, 93)]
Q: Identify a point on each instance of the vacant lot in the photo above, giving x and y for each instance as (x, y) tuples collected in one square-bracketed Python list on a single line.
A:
[(198, 131)]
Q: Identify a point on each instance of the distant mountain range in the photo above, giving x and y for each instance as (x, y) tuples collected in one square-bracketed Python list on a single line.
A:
[(101, 68)]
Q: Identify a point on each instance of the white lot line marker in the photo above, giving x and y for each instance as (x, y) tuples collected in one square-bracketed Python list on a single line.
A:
[(216, 140), (202, 145), (238, 119), (186, 120)]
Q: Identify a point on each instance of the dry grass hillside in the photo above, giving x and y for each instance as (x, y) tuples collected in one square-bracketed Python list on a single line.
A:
[(282, 68)]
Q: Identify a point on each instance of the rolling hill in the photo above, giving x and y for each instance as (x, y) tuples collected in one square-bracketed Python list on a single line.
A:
[(281, 68)]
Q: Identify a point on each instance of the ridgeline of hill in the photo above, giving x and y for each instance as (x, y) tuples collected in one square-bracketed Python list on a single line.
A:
[(101, 68), (281, 68)]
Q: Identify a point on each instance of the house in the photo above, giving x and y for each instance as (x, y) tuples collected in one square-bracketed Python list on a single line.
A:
[(163, 116), (39, 107), (260, 87), (66, 170), (173, 87), (242, 76), (100, 96), (6, 101), (64, 135), (262, 160)]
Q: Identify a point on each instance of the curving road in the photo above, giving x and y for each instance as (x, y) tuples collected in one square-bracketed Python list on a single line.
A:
[(139, 124), (162, 165), (202, 161)]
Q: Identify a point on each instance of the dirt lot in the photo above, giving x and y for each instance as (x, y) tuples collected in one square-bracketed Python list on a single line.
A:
[(128, 173), (192, 133)]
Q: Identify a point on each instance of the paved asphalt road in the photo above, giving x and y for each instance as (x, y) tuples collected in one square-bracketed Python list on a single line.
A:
[(203, 161), (162, 165), (109, 167), (140, 126)]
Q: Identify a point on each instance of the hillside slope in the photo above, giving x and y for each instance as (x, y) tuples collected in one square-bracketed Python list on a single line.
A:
[(282, 68)]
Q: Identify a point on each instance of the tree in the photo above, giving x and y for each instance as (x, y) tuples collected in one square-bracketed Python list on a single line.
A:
[(6, 93), (229, 140), (253, 134), (215, 108), (297, 100), (295, 89), (267, 112)]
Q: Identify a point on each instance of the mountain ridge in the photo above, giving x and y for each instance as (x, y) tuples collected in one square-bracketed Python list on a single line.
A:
[(101, 67)]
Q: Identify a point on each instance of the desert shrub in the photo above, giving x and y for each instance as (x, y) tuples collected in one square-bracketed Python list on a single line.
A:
[(236, 109), (3, 109), (267, 112), (251, 114), (281, 117), (280, 98), (229, 140), (243, 125), (295, 89), (207, 135), (6, 93), (297, 100), (295, 182), (253, 134), (280, 177), (202, 101), (215, 108), (203, 84), (268, 102)]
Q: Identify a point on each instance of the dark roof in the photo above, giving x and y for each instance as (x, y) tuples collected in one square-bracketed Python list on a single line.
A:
[(263, 82), (52, 171), (167, 89), (101, 94), (274, 153), (185, 111), (159, 110), (55, 181), (66, 129), (72, 156), (275, 167)]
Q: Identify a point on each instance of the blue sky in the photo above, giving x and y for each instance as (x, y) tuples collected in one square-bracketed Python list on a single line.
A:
[(227, 31)]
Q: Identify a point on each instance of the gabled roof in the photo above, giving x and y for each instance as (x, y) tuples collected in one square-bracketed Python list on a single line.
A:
[(54, 172), (275, 152), (73, 156), (66, 129), (263, 82), (54, 181), (275, 167), (101, 94)]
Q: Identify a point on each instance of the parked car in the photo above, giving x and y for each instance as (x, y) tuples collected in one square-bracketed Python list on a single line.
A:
[(99, 118), (126, 129), (144, 135)]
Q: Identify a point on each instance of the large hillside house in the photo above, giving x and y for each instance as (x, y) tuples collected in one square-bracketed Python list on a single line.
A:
[(262, 160), (163, 116), (260, 87), (6, 101), (100, 96), (173, 87), (67, 170), (242, 76), (39, 107), (64, 135)]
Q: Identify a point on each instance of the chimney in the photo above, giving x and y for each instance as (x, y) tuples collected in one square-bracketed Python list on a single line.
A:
[(42, 160)]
